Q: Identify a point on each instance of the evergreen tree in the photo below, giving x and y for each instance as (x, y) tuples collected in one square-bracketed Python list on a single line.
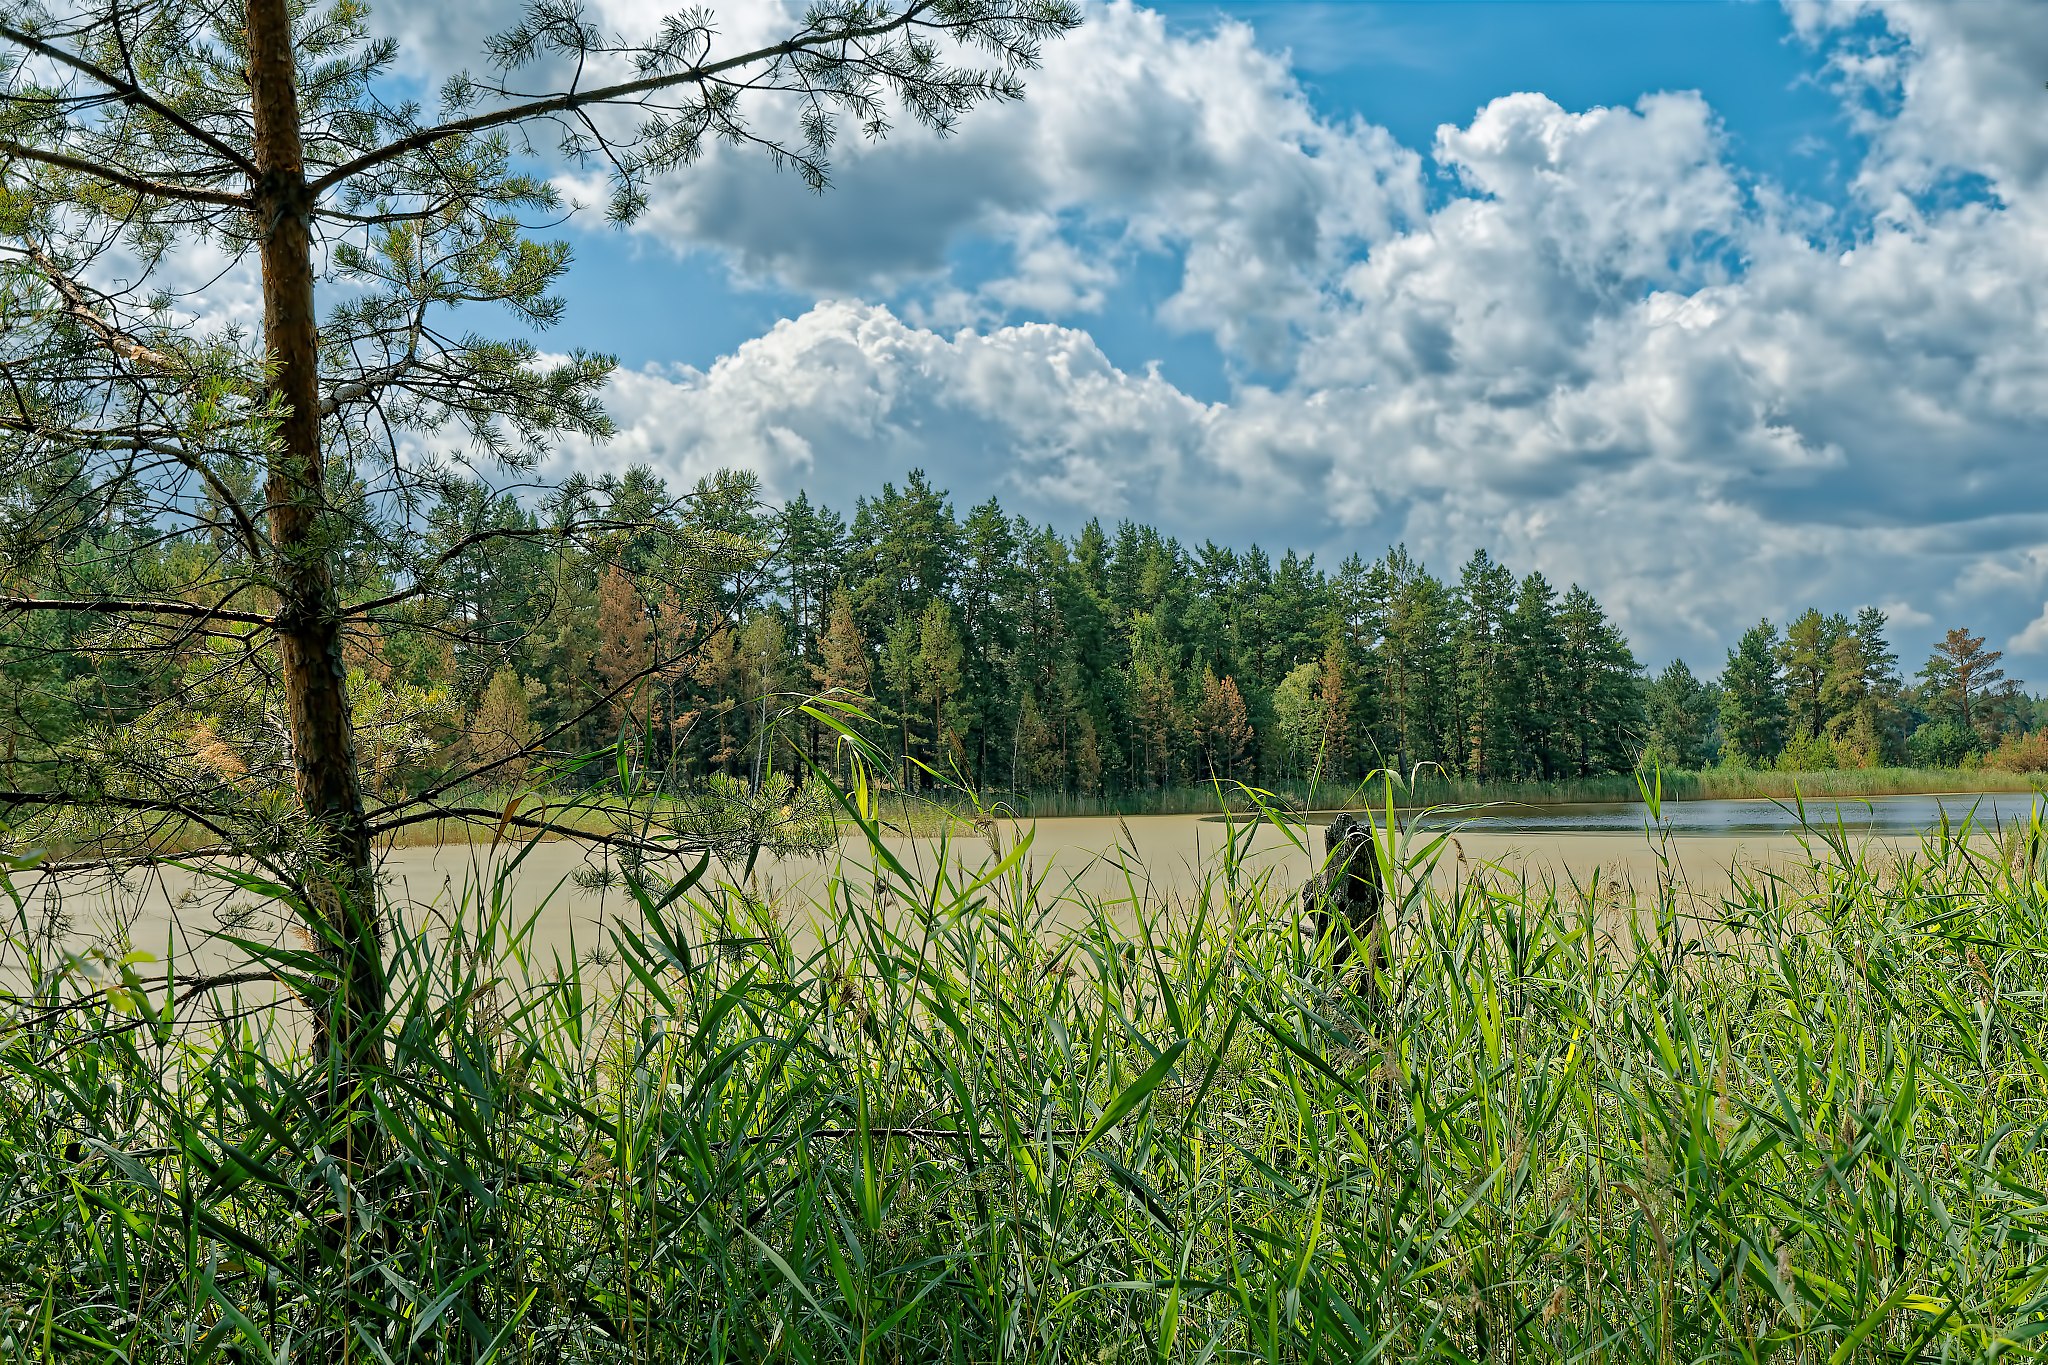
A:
[(1333, 703), (1224, 725), (625, 653), (1965, 685), (1486, 737), (1861, 695), (900, 674), (1804, 658), (1155, 718), (904, 552), (501, 732), (1546, 684), (989, 592), (1417, 663), (763, 661), (939, 681), (1681, 714), (843, 662), (812, 547), (1753, 697), (1600, 693)]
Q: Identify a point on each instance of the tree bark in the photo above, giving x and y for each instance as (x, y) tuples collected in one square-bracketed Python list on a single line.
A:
[(339, 882)]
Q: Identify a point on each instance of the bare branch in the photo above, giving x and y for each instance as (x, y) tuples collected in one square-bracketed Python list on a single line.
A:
[(79, 307), (423, 579), (485, 815)]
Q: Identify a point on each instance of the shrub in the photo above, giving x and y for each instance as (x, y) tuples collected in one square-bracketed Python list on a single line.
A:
[(1808, 754), (1941, 744), (2021, 753)]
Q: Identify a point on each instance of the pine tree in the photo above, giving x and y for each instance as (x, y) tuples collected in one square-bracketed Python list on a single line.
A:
[(1225, 726), (1753, 698), (1038, 764), (1155, 697), (501, 732), (625, 653), (843, 664), (989, 591), (1600, 694), (1545, 683), (905, 552), (811, 547), (900, 672), (1486, 738), (1861, 695), (940, 664), (1965, 685), (1333, 700), (763, 661), (1681, 719), (1804, 659)]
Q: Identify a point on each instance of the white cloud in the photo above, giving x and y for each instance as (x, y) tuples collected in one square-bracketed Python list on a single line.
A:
[(2033, 638), (1132, 138), (1610, 353), (1904, 615), (1941, 87)]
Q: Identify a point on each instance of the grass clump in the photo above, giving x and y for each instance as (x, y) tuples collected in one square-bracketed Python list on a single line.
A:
[(964, 1113)]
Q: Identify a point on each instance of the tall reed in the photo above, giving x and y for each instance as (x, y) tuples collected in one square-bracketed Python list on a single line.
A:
[(965, 1113)]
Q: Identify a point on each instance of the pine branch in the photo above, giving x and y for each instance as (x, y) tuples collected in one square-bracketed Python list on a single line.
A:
[(138, 184), (129, 93), (122, 606), (571, 101)]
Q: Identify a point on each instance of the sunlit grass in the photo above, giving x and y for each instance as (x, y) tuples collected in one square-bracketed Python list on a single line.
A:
[(918, 1120)]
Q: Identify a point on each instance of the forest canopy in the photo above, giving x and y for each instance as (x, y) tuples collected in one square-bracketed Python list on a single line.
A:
[(985, 651)]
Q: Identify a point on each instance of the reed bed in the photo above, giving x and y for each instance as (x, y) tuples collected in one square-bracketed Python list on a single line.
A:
[(1427, 788), (966, 1115)]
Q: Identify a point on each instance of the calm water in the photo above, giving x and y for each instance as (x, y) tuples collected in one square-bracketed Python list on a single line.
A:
[(177, 915), (1885, 815)]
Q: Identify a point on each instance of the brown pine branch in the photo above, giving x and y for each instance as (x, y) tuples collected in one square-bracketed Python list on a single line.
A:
[(79, 307)]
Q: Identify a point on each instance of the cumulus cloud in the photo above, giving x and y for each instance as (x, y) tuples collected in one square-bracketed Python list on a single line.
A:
[(2032, 638), (1133, 139), (1940, 88), (1605, 350)]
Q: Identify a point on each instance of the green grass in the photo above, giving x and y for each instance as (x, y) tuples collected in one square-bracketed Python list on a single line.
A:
[(1432, 789), (915, 1122)]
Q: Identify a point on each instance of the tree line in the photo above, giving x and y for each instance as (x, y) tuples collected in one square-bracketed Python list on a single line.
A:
[(1004, 655), (985, 651), (1828, 693)]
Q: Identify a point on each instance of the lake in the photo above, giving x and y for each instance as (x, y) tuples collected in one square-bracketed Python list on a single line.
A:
[(171, 913), (1889, 815)]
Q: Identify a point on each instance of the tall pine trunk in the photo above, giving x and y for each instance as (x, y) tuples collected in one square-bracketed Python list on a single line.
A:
[(339, 880)]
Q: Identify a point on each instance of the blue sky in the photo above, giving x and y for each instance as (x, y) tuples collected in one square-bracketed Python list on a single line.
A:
[(1406, 67), (1720, 309)]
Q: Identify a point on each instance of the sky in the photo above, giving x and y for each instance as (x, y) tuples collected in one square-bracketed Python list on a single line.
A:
[(1720, 310)]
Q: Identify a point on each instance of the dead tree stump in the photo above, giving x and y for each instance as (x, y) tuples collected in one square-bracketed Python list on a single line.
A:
[(1347, 896)]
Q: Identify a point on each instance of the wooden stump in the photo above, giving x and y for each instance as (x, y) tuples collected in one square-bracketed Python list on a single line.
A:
[(1347, 896)]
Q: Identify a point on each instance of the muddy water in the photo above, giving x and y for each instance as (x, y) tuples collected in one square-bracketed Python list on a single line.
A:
[(182, 918)]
